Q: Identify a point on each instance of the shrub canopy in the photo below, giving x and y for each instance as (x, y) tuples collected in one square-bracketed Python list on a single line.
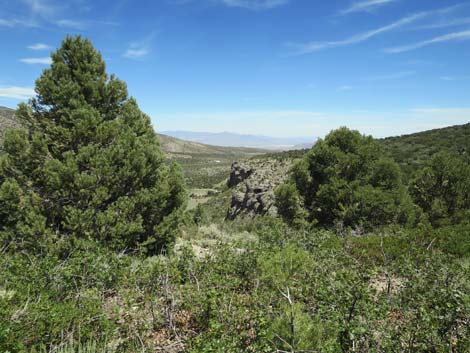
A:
[(346, 179), (442, 189)]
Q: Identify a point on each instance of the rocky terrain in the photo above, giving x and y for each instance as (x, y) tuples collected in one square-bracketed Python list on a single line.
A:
[(253, 183)]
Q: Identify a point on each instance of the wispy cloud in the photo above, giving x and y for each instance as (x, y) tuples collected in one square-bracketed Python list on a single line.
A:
[(455, 22), (393, 76), (365, 6), (33, 61), (141, 48), (82, 24), (456, 36), (39, 46), (42, 8), (73, 24), (344, 88), (454, 78), (136, 52), (306, 48), (16, 22), (255, 4), (16, 92), (56, 13)]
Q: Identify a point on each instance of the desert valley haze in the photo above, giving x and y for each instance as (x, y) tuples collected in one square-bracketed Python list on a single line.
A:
[(283, 176)]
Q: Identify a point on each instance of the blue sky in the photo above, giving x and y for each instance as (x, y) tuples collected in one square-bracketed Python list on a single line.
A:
[(272, 67)]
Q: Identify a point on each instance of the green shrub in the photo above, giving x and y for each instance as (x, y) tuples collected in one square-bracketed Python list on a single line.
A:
[(344, 179), (288, 204), (442, 189)]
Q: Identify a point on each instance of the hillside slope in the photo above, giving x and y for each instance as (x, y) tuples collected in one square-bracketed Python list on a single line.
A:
[(7, 120), (203, 165), (230, 139), (172, 145), (412, 151)]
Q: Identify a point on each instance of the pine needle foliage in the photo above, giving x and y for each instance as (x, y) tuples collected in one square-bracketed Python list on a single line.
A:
[(88, 163)]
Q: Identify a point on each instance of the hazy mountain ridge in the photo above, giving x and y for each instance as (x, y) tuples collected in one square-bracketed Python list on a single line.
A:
[(173, 145), (170, 145), (229, 139), (202, 164)]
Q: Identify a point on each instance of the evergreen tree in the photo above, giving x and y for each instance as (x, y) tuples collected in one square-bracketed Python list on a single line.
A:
[(288, 203), (87, 163), (442, 189), (346, 180)]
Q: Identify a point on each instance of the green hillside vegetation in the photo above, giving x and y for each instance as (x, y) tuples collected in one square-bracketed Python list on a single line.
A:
[(345, 180), (7, 121), (413, 151), (203, 165), (99, 252)]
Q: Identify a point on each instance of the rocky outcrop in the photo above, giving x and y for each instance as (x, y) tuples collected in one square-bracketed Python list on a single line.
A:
[(253, 186), (252, 201), (238, 174)]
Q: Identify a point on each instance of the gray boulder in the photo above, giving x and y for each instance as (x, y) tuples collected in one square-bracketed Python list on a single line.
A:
[(238, 174)]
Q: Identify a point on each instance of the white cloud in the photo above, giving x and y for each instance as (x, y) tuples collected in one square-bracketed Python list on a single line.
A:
[(344, 88), (136, 53), (16, 92), (32, 61), (15, 22), (74, 24), (39, 46), (247, 4), (141, 48), (306, 48), (43, 8), (365, 6), (255, 4), (454, 78), (445, 23), (394, 76), (456, 36)]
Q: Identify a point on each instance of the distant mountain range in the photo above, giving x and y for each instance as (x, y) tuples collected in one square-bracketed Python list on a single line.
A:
[(229, 139), (173, 147)]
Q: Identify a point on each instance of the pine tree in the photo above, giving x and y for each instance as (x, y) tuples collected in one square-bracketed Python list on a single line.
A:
[(345, 180), (442, 189), (87, 163)]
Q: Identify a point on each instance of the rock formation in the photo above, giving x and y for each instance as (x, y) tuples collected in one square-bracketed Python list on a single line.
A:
[(253, 186), (238, 174)]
